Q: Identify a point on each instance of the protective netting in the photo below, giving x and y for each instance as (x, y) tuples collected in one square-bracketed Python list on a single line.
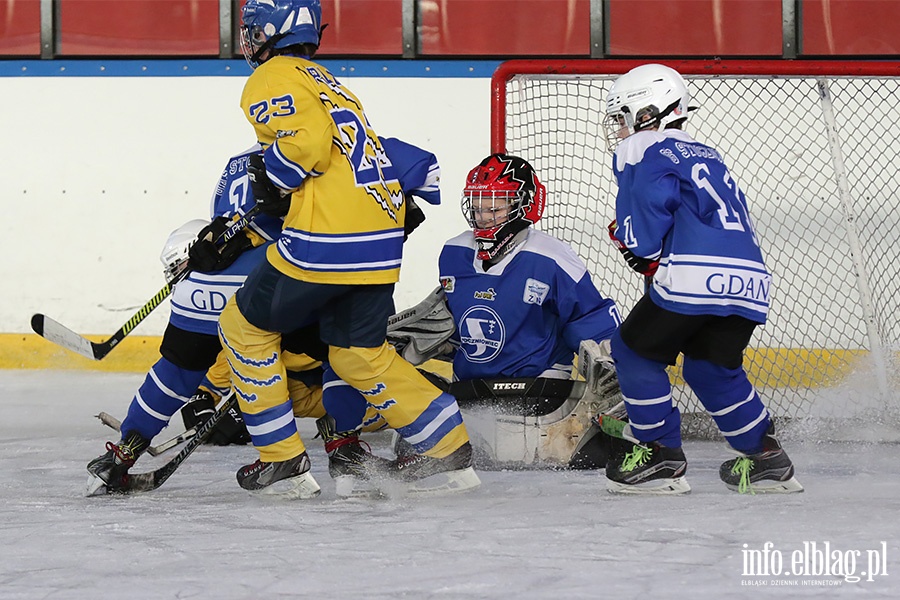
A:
[(828, 352)]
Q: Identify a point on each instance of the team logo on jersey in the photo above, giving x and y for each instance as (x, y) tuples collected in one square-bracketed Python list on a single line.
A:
[(535, 291), (448, 283), (670, 155), (481, 334), (488, 294)]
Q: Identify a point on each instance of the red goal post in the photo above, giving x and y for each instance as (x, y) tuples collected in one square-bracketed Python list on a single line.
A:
[(814, 145)]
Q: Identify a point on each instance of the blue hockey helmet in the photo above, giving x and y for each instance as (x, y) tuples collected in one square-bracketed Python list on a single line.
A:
[(267, 25)]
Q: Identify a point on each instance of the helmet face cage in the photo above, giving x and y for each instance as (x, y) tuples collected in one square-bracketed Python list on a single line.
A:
[(647, 97), (502, 197), (491, 209), (272, 24)]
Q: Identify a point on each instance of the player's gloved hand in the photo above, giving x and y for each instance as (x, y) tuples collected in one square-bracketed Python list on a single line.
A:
[(229, 430), (414, 217), (644, 266), (270, 199), (206, 257)]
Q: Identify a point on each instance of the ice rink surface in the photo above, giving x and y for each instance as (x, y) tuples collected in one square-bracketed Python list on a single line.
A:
[(526, 534)]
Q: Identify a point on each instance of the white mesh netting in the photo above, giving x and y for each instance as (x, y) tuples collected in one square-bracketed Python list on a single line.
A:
[(827, 356)]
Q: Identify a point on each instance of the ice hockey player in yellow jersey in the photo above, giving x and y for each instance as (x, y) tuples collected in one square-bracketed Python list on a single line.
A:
[(325, 170)]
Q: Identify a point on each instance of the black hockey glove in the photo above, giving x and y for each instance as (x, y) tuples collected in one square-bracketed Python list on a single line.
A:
[(206, 257), (270, 200), (414, 217), (229, 430), (644, 266)]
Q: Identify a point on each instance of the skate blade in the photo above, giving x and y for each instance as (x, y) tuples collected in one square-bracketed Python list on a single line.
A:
[(95, 487), (442, 484), (347, 486), (768, 486), (656, 487), (301, 487)]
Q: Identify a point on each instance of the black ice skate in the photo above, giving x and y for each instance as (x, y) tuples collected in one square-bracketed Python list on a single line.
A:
[(349, 464), (648, 469), (287, 479), (432, 476), (769, 471), (401, 447), (109, 472)]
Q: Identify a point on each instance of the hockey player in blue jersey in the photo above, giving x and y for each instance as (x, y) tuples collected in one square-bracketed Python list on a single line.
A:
[(522, 302), (682, 220)]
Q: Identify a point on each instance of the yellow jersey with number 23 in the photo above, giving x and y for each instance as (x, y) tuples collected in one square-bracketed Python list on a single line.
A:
[(345, 223)]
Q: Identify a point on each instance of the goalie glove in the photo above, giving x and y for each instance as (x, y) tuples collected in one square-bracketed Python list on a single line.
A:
[(271, 200), (206, 257), (644, 266)]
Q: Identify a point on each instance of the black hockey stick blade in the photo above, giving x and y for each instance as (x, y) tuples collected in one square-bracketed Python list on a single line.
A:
[(145, 482)]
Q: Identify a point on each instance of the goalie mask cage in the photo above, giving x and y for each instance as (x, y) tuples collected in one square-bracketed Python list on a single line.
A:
[(814, 146)]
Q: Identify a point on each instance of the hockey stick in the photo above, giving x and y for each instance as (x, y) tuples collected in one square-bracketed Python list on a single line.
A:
[(145, 482), (113, 423), (59, 334), (612, 426)]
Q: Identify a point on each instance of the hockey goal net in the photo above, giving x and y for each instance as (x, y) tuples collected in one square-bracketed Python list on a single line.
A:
[(814, 147)]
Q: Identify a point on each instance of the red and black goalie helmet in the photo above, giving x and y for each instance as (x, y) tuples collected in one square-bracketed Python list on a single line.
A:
[(502, 197)]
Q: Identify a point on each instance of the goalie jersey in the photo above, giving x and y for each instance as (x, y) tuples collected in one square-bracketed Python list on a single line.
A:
[(345, 225), (678, 202), (527, 315)]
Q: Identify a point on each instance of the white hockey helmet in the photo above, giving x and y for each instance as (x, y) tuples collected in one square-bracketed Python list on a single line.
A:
[(647, 97), (174, 254)]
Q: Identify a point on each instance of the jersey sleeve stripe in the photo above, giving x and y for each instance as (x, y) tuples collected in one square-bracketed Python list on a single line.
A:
[(283, 172)]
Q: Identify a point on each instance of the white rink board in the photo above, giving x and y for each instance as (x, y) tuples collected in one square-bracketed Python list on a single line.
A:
[(98, 171)]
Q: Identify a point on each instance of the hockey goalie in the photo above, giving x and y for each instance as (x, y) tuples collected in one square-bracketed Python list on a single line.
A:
[(515, 307)]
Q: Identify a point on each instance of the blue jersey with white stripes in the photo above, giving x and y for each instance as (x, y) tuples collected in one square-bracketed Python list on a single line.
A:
[(527, 315), (678, 202), (417, 170), (233, 196)]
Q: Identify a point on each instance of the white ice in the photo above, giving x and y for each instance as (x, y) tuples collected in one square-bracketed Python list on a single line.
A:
[(521, 535)]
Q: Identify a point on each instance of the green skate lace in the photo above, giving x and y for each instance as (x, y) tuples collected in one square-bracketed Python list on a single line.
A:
[(742, 467), (636, 458)]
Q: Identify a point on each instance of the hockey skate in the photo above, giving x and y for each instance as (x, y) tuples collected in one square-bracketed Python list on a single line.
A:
[(650, 469), (769, 471), (288, 479), (427, 476), (400, 446), (109, 472), (349, 464)]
